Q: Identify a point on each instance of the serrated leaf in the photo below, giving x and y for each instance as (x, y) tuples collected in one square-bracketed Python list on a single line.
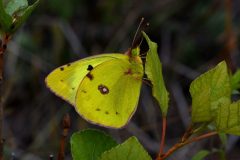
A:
[(5, 19), (14, 6), (228, 119), (25, 13), (209, 91), (131, 149), (90, 144), (201, 155), (235, 80), (153, 70)]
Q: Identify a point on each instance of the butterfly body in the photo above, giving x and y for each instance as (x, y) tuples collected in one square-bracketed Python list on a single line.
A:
[(104, 89)]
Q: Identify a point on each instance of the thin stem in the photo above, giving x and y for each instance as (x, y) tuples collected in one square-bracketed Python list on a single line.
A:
[(187, 134), (1, 119), (66, 125), (195, 139), (230, 43), (164, 126), (3, 47), (171, 150), (181, 144)]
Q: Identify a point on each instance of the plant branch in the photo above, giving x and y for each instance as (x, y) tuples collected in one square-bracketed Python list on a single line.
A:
[(164, 126), (187, 134), (3, 47), (195, 139), (66, 125), (181, 144), (230, 41)]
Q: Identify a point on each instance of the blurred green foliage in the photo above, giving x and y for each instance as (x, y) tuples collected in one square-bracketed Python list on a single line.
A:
[(191, 35)]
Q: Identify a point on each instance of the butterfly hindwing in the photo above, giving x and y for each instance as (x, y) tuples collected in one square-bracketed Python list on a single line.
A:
[(109, 94)]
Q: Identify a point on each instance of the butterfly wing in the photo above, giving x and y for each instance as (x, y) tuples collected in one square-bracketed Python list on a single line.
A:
[(111, 96), (64, 81)]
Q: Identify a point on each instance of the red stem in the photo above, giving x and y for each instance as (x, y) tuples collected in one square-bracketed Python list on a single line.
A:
[(66, 125), (179, 145), (195, 139), (3, 46), (164, 126)]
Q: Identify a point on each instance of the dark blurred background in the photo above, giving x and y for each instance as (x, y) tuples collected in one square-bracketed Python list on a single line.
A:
[(192, 37)]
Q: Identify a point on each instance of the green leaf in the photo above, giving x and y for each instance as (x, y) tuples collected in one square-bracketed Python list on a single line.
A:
[(209, 91), (14, 6), (223, 138), (201, 155), (5, 19), (222, 154), (153, 69), (131, 149), (228, 119), (235, 80), (90, 144), (22, 17)]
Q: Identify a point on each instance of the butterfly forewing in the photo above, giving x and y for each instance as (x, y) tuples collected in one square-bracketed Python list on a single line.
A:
[(64, 81)]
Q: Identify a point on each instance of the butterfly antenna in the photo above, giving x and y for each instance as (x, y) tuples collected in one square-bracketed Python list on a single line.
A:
[(136, 33)]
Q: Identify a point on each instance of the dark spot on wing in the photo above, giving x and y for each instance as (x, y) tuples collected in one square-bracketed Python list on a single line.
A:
[(61, 68), (61, 80), (129, 71), (106, 112), (90, 76), (90, 67), (103, 89), (83, 91), (69, 64), (73, 88), (117, 113), (97, 109)]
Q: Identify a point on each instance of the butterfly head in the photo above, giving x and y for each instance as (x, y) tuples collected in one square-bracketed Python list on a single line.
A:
[(135, 51), (134, 55)]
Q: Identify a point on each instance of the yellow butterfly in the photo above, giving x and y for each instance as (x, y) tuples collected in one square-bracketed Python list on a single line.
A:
[(104, 89)]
